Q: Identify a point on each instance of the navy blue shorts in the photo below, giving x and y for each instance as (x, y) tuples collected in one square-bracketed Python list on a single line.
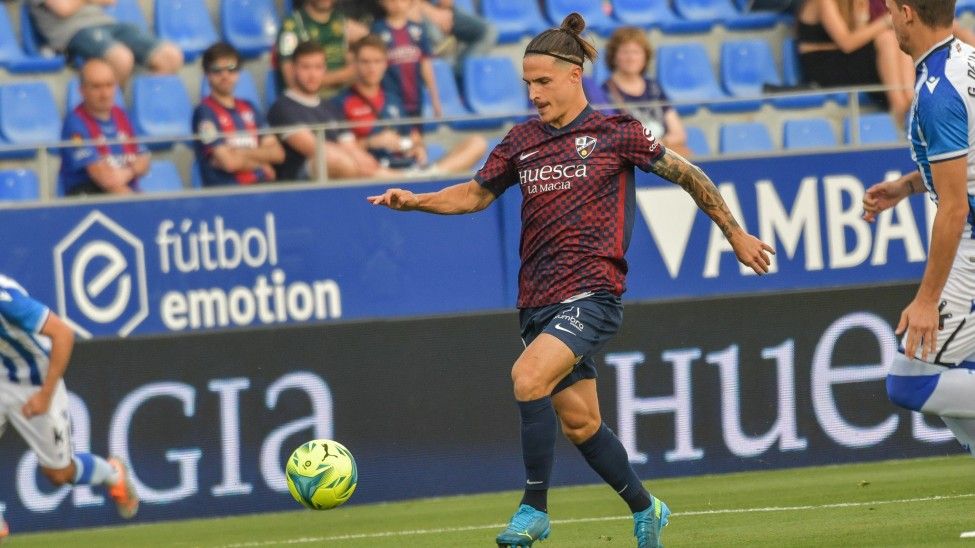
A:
[(584, 323)]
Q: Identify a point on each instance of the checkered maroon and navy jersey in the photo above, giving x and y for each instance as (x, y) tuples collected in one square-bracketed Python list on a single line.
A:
[(578, 201)]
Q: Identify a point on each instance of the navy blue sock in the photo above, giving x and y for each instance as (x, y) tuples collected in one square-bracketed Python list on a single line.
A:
[(538, 428), (607, 456)]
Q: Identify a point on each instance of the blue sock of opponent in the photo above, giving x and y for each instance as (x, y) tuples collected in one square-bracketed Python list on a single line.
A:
[(607, 456), (538, 428), (93, 470)]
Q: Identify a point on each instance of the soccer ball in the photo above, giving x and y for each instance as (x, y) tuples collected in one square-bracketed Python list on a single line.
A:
[(321, 474)]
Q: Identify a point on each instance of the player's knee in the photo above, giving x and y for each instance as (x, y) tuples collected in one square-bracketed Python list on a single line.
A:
[(528, 383), (58, 476), (910, 392)]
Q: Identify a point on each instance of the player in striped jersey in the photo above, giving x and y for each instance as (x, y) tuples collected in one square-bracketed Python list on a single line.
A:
[(35, 347)]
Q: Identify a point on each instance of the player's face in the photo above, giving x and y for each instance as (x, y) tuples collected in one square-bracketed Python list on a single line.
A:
[(98, 87), (900, 30), (222, 75), (553, 86), (370, 66), (630, 59), (396, 8), (310, 73)]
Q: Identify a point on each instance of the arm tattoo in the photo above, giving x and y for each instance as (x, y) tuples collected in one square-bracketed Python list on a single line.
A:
[(676, 169)]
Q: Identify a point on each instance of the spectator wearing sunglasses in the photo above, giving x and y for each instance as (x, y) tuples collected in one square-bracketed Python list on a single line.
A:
[(229, 150)]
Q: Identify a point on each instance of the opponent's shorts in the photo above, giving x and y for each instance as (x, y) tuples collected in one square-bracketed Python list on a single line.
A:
[(49, 435), (956, 338), (585, 323)]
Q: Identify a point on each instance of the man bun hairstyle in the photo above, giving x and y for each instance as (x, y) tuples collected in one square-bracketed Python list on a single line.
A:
[(564, 43)]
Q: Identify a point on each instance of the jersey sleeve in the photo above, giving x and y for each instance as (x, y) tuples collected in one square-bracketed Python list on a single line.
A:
[(636, 145), (424, 43), (944, 122), (288, 39), (21, 310), (205, 125), (76, 158), (498, 172)]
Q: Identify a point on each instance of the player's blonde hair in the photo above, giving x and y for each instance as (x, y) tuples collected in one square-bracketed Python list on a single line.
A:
[(564, 43)]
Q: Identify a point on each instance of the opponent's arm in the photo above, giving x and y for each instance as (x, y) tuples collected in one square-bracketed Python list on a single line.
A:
[(887, 194), (62, 341), (920, 318), (751, 251), (466, 197)]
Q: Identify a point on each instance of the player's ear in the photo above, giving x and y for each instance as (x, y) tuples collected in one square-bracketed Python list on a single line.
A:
[(575, 74)]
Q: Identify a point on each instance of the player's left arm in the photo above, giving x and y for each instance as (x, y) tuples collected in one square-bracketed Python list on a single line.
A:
[(920, 318), (62, 342), (750, 251)]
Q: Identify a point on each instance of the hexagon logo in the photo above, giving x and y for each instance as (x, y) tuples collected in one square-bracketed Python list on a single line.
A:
[(100, 278)]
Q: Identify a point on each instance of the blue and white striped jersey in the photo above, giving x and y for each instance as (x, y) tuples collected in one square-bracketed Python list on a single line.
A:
[(23, 350), (942, 120)]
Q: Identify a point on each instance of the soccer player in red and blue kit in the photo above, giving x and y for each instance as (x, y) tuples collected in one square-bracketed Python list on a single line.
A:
[(574, 167)]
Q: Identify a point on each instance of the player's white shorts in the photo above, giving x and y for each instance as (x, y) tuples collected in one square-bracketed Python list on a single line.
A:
[(956, 340), (49, 435)]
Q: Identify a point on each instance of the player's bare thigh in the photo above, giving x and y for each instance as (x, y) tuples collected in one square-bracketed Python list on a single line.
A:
[(540, 367), (578, 409)]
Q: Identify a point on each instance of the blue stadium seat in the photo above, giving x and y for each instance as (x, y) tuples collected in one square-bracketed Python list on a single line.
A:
[(964, 6), (697, 141), (808, 133), (19, 185), (160, 107), (72, 95), (723, 11), (513, 18), (270, 89), (654, 14), (746, 66), (466, 5), (187, 24), (450, 99), (128, 11), (745, 137), (28, 114), (596, 20), (493, 86), (595, 93), (12, 55), (249, 25), (875, 129), (685, 73), (246, 89), (161, 177), (791, 73)]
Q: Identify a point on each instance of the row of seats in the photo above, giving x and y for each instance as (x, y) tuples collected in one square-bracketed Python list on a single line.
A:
[(249, 25), (797, 134)]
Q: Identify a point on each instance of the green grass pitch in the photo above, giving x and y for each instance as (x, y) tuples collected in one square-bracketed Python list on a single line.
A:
[(920, 502)]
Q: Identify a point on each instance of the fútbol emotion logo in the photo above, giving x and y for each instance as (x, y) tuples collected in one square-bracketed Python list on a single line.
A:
[(100, 277)]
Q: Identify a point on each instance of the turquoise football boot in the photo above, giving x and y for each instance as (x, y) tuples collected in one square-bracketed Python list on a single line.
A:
[(525, 527), (647, 525)]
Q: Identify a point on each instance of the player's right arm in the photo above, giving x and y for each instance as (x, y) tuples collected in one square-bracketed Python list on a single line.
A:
[(468, 197), (62, 342), (887, 194)]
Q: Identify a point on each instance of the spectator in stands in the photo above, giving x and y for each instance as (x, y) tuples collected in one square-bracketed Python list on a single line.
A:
[(628, 54), (839, 46), (83, 30), (445, 22), (97, 167), (302, 105), (243, 157), (396, 147), (408, 48), (317, 21)]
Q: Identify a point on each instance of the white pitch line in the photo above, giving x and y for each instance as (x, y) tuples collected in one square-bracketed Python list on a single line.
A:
[(438, 531)]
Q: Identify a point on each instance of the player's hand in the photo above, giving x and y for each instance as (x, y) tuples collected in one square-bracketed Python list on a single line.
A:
[(920, 320), (752, 252), (880, 197), (396, 198), (37, 404)]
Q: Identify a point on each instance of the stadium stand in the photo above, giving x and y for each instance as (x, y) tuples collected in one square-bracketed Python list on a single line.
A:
[(877, 128), (745, 137), (684, 72), (12, 56), (596, 19), (808, 133), (246, 89), (655, 14), (450, 98), (697, 141), (187, 24), (160, 108), (32, 43), (514, 19), (128, 11), (493, 86), (28, 114), (249, 25), (19, 185), (723, 12), (163, 176)]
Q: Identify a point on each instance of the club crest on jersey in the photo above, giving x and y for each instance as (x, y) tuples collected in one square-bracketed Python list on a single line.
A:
[(585, 145)]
